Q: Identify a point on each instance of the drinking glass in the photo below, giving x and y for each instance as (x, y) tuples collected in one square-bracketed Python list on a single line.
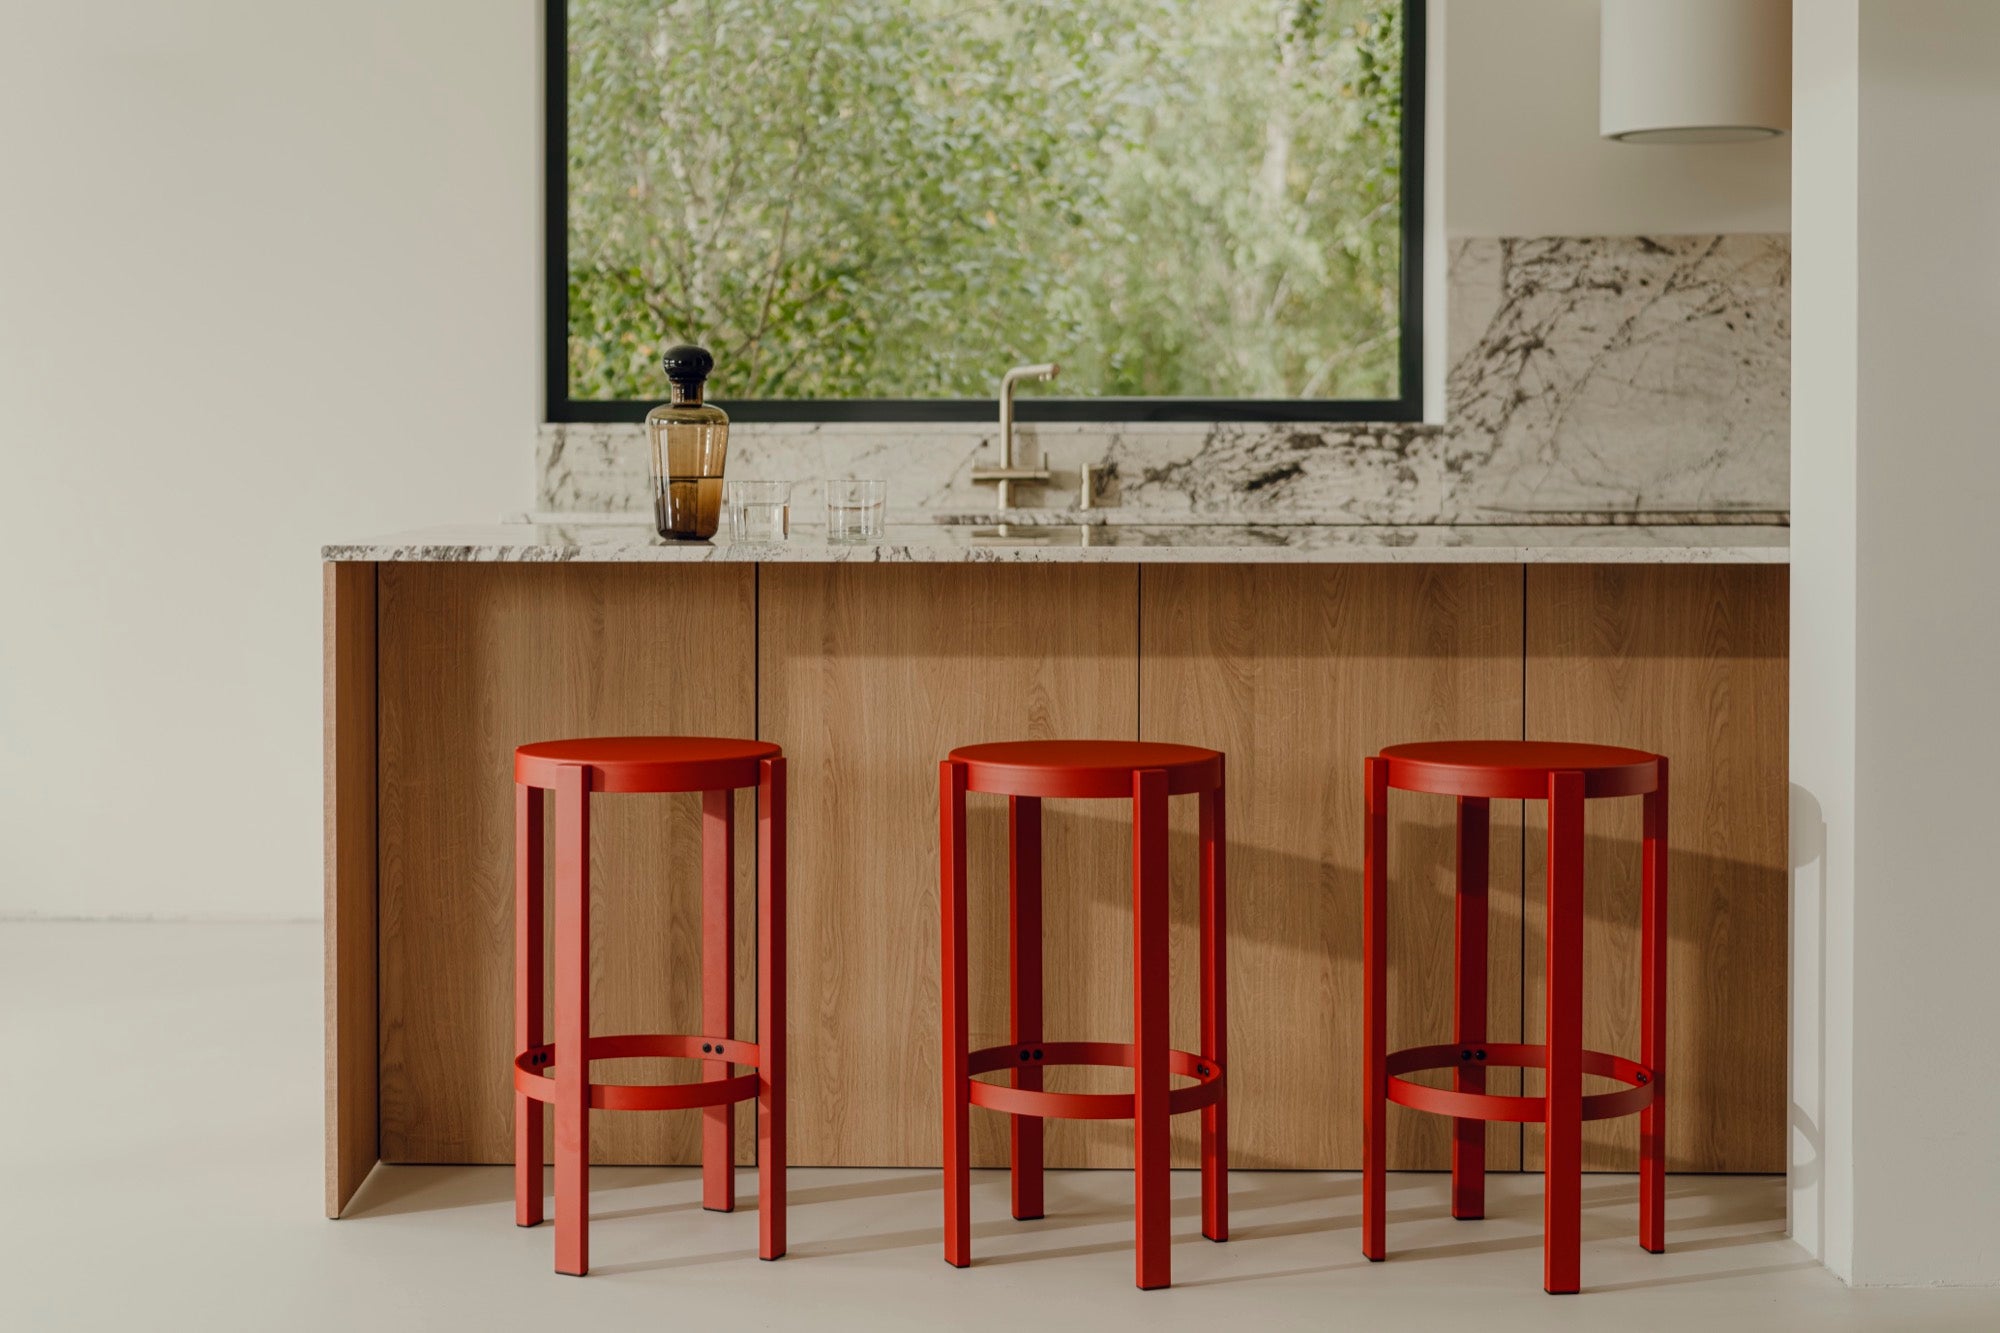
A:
[(759, 511), (855, 510)]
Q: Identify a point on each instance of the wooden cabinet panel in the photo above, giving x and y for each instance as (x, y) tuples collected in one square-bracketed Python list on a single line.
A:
[(474, 660), (348, 628), (1689, 662), (1297, 674), (869, 676)]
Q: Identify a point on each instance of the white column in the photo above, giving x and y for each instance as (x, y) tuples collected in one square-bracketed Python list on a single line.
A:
[(1896, 638)]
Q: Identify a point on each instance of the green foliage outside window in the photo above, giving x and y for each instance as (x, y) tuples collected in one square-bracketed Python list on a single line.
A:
[(901, 198)]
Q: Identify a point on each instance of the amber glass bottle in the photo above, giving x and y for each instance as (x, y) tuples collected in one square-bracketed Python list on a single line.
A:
[(690, 440)]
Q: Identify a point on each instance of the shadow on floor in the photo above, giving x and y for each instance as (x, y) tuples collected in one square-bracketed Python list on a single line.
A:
[(1263, 1206)]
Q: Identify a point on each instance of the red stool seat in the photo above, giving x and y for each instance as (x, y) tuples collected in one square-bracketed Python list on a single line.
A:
[(557, 1074), (647, 763), (1091, 769), (1518, 770), (1565, 775), (1145, 773)]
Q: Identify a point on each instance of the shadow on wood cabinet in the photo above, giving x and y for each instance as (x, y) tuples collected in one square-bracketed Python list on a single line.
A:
[(868, 675)]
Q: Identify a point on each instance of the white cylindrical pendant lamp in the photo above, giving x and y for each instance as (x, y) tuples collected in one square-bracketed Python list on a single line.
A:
[(1694, 71)]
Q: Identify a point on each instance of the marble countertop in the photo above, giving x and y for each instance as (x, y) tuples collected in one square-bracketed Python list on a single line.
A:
[(625, 541)]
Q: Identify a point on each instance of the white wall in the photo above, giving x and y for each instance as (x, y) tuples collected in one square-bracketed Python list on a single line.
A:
[(1896, 629), (1927, 898), (1522, 156), (269, 276)]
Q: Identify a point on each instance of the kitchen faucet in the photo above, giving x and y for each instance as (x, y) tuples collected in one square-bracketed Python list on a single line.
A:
[(1007, 474)]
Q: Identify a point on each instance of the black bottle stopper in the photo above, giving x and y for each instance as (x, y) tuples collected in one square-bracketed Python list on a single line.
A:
[(687, 365)]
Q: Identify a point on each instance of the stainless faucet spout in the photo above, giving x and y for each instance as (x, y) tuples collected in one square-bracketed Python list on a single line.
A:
[(1003, 476), (1046, 371)]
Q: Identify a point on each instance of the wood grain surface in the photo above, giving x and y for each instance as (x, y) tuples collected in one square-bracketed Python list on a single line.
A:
[(869, 676), (475, 660), (1298, 674), (1689, 662), (348, 635)]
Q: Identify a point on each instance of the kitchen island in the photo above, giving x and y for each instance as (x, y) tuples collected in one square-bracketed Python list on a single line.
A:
[(1296, 650)]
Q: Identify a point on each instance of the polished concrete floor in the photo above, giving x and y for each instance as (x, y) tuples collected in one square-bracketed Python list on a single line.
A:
[(164, 1126)]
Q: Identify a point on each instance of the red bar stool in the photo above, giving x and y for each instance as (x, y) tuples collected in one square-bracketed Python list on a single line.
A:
[(573, 769), (1146, 774), (1564, 775)]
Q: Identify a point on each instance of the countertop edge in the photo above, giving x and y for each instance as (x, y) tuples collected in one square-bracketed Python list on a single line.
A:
[(893, 554)]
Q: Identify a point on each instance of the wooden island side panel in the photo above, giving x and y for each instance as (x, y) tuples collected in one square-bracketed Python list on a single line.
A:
[(476, 659), (1298, 674), (1688, 661), (868, 676), (353, 1128)]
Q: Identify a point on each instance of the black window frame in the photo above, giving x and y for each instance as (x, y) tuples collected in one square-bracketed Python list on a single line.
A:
[(1406, 406)]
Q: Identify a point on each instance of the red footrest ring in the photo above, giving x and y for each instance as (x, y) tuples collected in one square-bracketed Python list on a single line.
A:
[(1205, 1091), (1644, 1082), (531, 1065)]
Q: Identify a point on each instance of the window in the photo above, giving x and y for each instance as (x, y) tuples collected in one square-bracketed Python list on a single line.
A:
[(868, 209)]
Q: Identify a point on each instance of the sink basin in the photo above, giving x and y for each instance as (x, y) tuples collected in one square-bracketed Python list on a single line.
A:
[(1037, 518), (1052, 534), (1031, 534)]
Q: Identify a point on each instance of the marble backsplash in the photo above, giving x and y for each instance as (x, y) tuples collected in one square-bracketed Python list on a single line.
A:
[(1591, 379)]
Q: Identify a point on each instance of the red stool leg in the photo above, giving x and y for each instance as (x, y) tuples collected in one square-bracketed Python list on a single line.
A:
[(1152, 1140), (573, 1020), (957, 1109), (1562, 1164), (1468, 1136), (718, 990), (771, 1155), (1215, 1010), (527, 997), (1653, 1023), (1375, 1012), (1024, 959)]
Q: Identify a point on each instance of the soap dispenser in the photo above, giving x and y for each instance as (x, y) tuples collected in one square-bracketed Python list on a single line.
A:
[(690, 439)]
